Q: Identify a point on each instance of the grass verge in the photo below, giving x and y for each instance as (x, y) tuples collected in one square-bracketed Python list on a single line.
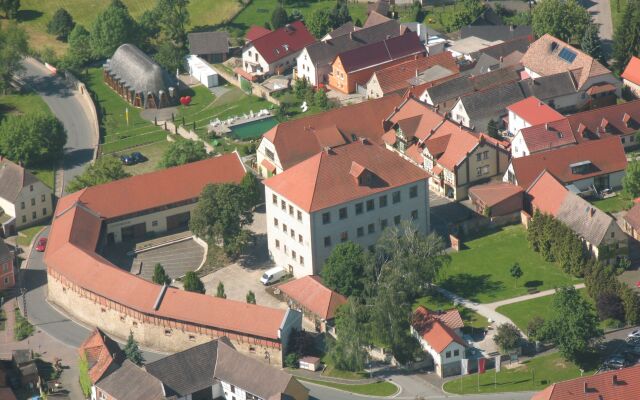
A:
[(613, 204), (23, 328), (25, 236), (3, 319), (381, 389), (22, 103)]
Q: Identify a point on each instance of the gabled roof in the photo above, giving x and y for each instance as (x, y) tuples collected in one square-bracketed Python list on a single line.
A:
[(494, 193), (549, 87), (252, 375), (454, 88), (188, 371), (130, 382), (13, 178), (534, 111), (213, 42), (549, 55), (415, 118), (450, 318), (296, 140), (102, 354), (255, 32), (632, 71), (434, 331), (310, 293), (547, 136), (382, 52), (633, 216), (516, 45), (606, 156), (495, 32), (343, 29), (136, 70), (283, 42), (324, 180), (477, 107), (618, 119), (547, 193), (376, 17)]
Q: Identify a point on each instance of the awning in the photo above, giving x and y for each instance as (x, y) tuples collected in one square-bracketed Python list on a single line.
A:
[(601, 88), (248, 76), (268, 165)]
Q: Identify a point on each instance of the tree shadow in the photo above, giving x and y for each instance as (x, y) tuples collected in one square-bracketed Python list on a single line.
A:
[(469, 286), (533, 284), (29, 15)]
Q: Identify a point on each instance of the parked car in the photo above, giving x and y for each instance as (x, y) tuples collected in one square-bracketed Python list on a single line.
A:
[(138, 157), (616, 362), (272, 275), (634, 334), (42, 244), (127, 159)]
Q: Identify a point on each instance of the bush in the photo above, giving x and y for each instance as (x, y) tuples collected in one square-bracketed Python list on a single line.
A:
[(507, 337), (612, 324), (23, 329), (292, 360), (535, 328), (609, 306)]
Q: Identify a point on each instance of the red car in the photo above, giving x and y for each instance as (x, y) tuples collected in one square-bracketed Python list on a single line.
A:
[(42, 244)]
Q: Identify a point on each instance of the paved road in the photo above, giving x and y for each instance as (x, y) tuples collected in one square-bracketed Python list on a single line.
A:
[(66, 104)]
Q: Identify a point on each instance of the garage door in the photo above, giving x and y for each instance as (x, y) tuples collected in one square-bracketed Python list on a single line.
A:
[(178, 221), (132, 232)]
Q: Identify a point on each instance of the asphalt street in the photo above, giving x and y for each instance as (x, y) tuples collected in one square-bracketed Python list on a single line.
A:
[(66, 104)]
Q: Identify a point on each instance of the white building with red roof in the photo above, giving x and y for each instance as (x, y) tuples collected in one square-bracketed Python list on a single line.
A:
[(631, 76), (439, 334), (274, 52), (348, 192), (528, 112)]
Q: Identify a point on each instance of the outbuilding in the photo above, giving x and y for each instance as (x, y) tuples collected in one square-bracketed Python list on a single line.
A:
[(201, 71)]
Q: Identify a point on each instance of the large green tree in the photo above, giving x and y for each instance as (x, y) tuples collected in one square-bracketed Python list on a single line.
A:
[(626, 38), (183, 152), (340, 14), (252, 189), (320, 23), (507, 337), (104, 169), (113, 27), (347, 353), (132, 350), (565, 19), (33, 138), (345, 269), (10, 8), (79, 53), (13, 46), (60, 24), (170, 55), (572, 325), (279, 18), (631, 180), (591, 43), (191, 283), (160, 275), (173, 19)]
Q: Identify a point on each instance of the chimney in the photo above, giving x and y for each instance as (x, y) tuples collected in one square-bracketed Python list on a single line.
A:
[(546, 126), (351, 35), (327, 149), (614, 380), (586, 388), (363, 140)]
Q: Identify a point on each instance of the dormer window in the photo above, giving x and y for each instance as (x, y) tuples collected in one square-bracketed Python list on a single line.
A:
[(626, 118), (361, 174), (582, 167)]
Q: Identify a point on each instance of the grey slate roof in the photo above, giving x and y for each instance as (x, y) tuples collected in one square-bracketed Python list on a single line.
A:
[(491, 103), (343, 29), (584, 219), (215, 42), (188, 371), (130, 382), (460, 86), (484, 64), (5, 252), (12, 179), (495, 32), (138, 71), (504, 49), (549, 87), (322, 53)]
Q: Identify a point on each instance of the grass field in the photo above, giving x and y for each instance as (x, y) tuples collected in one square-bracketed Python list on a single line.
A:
[(436, 301), (547, 369), (35, 14), (152, 152), (25, 236), (613, 204), (480, 272), (382, 388), (22, 104)]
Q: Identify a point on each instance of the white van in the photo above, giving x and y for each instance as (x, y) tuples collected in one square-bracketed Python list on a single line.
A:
[(273, 275)]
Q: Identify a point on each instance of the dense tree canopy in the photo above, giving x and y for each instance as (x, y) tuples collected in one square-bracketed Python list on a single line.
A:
[(10, 8), (113, 27), (631, 180), (319, 24), (79, 53), (565, 19), (279, 18), (183, 152), (507, 337), (347, 353), (344, 270), (61, 24), (173, 18), (104, 169), (591, 43), (132, 350), (34, 138), (160, 275), (191, 283), (13, 46), (626, 38)]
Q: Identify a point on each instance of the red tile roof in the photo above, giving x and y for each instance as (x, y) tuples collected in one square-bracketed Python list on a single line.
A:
[(75, 231), (621, 119), (633, 216), (623, 384), (451, 318), (101, 352), (380, 53), (7, 394), (547, 194), (534, 111), (324, 180), (283, 41), (255, 32), (311, 294), (435, 330), (606, 155), (299, 139), (632, 71), (548, 136), (495, 192)]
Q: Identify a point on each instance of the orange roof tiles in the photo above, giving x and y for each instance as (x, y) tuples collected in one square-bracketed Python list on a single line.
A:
[(324, 180), (622, 384), (548, 136), (494, 192), (547, 194), (311, 294), (632, 71), (435, 330), (606, 155), (633, 216), (101, 352), (451, 318), (71, 250), (534, 111)]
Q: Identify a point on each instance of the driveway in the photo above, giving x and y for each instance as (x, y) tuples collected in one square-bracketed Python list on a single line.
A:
[(65, 102)]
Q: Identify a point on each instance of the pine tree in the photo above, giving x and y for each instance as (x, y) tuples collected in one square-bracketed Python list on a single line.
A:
[(591, 43), (492, 129), (626, 39), (251, 297), (220, 291), (160, 277), (192, 283), (132, 351)]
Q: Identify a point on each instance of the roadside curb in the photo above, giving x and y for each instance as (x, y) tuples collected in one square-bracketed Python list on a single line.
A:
[(366, 396), (33, 241)]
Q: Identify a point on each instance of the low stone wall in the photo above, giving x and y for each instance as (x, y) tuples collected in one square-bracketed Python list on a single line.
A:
[(155, 333)]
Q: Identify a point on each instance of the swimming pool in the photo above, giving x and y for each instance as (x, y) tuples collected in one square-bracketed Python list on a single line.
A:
[(253, 129)]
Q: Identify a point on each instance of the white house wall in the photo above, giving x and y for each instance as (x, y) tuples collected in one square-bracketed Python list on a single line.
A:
[(38, 201), (261, 154)]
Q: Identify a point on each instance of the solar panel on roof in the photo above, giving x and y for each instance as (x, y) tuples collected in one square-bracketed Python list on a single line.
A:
[(567, 55)]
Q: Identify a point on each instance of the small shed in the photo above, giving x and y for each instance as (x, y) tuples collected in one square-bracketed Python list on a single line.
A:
[(310, 363), (212, 46), (201, 71), (497, 199)]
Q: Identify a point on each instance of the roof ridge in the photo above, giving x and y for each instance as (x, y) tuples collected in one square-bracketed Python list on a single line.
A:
[(315, 177)]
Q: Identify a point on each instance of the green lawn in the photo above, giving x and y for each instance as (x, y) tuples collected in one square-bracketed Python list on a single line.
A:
[(21, 104), (613, 204), (547, 369), (152, 152), (259, 12), (382, 388), (25, 236), (436, 301), (45, 174), (480, 272)]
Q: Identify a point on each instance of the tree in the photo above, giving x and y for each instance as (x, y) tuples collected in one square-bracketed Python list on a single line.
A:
[(251, 297), (319, 24), (344, 270), (631, 180), (609, 306), (132, 350), (347, 353), (79, 53), (565, 19), (83, 372), (170, 55), (465, 12), (296, 15), (173, 18), (572, 324), (220, 291), (626, 38), (516, 272), (192, 283), (279, 18), (13, 46), (507, 337), (111, 28), (183, 152), (631, 303), (33, 138), (417, 13), (492, 129), (252, 190), (535, 327), (591, 43), (61, 24), (320, 99), (160, 276), (104, 169), (340, 14), (10, 8)]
